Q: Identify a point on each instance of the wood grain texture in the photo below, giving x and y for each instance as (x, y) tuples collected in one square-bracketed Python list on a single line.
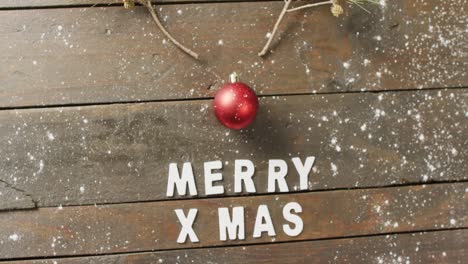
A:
[(52, 3), (442, 247), (12, 4), (154, 226), (121, 153), (92, 55)]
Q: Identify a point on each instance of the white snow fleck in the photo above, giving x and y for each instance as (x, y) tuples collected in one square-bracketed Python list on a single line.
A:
[(454, 151), (14, 237), (82, 189), (453, 221), (50, 136), (378, 113), (377, 208), (334, 168), (41, 166)]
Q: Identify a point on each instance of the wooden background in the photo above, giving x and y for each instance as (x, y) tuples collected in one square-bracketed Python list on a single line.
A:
[(95, 103)]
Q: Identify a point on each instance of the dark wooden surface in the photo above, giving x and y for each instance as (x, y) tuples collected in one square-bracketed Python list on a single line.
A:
[(153, 226), (435, 247), (379, 99), (19, 4), (93, 55)]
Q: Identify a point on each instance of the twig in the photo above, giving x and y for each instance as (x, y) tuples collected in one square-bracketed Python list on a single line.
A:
[(281, 16), (275, 28), (150, 8), (359, 4), (310, 5)]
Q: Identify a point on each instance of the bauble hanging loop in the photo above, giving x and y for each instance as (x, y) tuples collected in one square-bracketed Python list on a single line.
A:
[(235, 104)]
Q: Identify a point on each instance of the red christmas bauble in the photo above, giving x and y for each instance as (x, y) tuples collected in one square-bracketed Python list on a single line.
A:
[(235, 105)]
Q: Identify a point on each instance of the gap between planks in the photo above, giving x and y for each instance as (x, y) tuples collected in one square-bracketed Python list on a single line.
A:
[(240, 196), (125, 102), (427, 231)]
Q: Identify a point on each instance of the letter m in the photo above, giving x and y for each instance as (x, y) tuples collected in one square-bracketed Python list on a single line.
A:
[(234, 227), (175, 181)]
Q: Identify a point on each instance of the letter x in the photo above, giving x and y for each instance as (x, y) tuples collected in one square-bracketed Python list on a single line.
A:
[(187, 223)]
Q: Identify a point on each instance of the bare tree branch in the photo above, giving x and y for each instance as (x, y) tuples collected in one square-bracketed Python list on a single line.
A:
[(281, 16), (150, 8), (275, 28)]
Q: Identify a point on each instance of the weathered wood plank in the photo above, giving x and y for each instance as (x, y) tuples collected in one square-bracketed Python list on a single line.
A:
[(434, 247), (90, 55), (154, 226), (11, 4), (51, 3), (121, 153)]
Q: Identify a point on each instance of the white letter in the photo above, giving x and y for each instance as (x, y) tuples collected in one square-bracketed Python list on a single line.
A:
[(304, 171), (260, 227), (211, 177), (244, 176), (237, 223), (295, 219), (186, 223), (277, 176), (175, 181)]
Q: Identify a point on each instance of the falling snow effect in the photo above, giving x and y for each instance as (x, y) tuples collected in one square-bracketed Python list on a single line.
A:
[(114, 153)]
